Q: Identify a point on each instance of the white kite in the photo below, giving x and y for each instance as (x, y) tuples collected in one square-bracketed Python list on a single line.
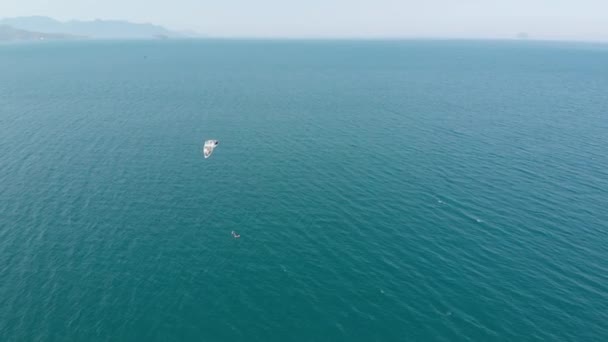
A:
[(208, 147)]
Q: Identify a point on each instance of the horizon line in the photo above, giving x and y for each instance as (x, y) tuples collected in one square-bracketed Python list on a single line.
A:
[(201, 35)]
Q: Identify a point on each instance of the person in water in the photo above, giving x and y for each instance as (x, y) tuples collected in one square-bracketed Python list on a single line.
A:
[(235, 235)]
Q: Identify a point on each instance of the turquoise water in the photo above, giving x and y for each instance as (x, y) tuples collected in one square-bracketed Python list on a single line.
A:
[(384, 191)]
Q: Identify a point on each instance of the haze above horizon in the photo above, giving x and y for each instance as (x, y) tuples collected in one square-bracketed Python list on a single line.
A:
[(543, 19)]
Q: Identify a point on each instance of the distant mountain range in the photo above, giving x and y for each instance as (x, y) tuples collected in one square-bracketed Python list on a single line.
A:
[(27, 28), (8, 33)]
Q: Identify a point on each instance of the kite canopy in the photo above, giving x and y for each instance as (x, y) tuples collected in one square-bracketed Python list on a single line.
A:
[(208, 147)]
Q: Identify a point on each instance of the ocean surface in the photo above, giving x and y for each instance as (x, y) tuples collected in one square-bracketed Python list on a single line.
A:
[(383, 191)]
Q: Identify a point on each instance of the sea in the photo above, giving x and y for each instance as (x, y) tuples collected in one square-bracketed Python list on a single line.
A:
[(415, 190)]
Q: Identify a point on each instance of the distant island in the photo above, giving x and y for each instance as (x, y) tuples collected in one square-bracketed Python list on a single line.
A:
[(42, 28)]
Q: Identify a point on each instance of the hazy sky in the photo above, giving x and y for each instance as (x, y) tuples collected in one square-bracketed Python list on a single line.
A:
[(552, 19)]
